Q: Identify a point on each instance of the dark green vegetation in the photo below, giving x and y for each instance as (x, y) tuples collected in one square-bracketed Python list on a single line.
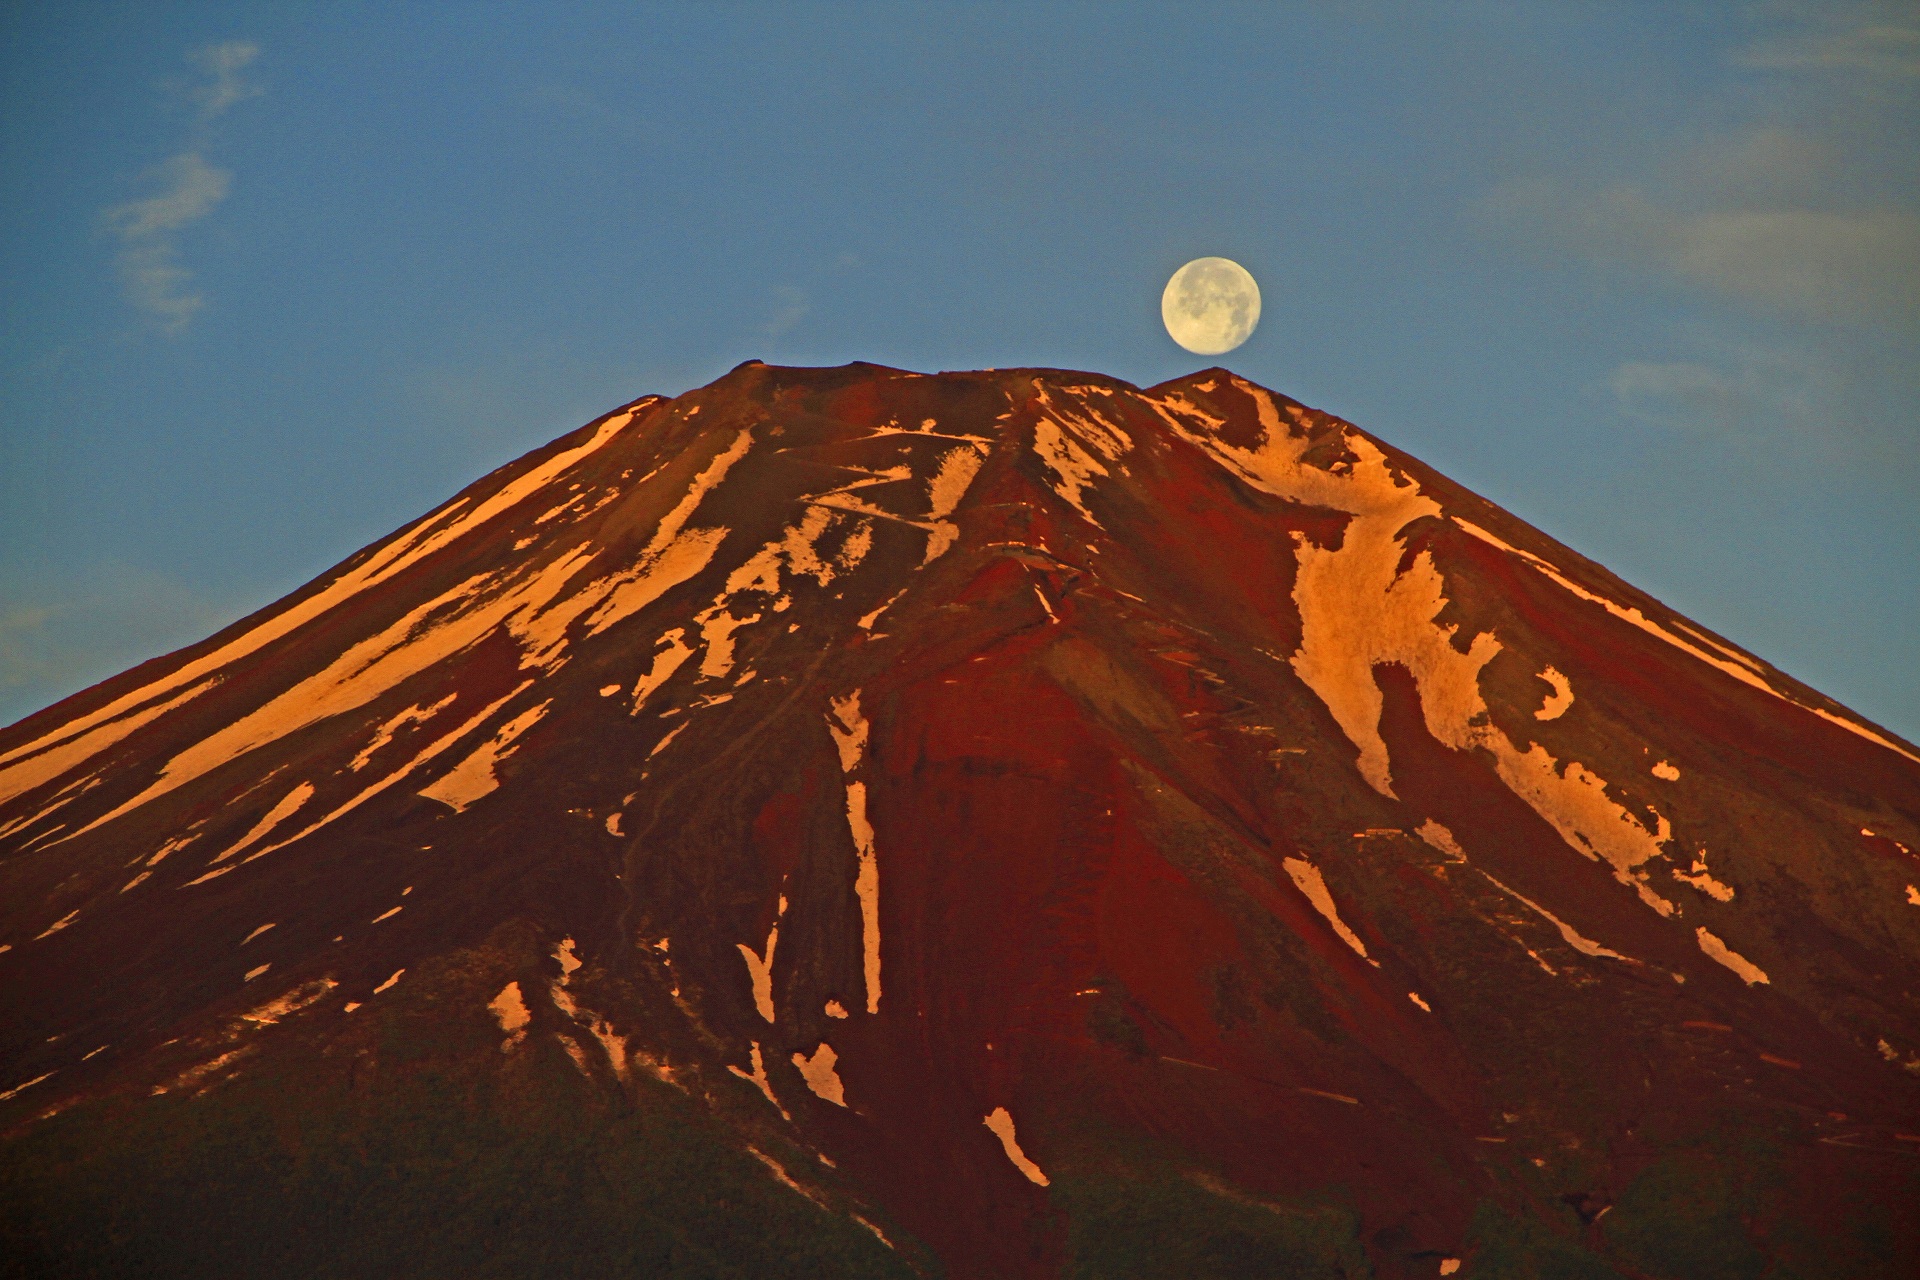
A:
[(262, 1178), (1163, 1226), (1732, 1208), (397, 1158), (1719, 1203)]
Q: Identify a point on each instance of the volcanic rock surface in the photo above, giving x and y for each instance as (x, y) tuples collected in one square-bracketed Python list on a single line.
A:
[(1011, 823)]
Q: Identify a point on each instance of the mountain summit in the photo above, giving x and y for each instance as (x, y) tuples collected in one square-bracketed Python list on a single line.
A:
[(1011, 823)]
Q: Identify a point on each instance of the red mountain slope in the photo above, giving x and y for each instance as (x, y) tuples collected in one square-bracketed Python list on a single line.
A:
[(1011, 823)]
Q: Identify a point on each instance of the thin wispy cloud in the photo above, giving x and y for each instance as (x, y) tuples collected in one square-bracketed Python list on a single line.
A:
[(1739, 389), (224, 86), (150, 269), (1879, 40), (1859, 265), (790, 309), (1800, 214), (186, 189)]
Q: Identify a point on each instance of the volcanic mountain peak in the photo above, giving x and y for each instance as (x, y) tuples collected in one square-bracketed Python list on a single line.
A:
[(1027, 798)]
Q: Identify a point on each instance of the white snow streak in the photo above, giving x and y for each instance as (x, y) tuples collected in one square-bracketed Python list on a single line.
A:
[(424, 757), (1307, 878), (1700, 878), (1359, 608), (1749, 972), (289, 803), (422, 540), (760, 969), (850, 732), (758, 1079), (415, 714), (473, 777), (1741, 668), (31, 772)]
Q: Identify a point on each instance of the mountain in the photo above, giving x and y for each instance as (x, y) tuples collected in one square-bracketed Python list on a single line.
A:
[(998, 824)]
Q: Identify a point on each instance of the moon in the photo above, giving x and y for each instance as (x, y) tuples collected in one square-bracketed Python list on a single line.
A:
[(1211, 305)]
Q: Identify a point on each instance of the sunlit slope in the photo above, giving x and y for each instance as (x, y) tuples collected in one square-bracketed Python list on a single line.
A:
[(1007, 822)]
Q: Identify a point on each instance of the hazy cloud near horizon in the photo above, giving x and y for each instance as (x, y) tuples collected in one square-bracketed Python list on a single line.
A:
[(55, 643)]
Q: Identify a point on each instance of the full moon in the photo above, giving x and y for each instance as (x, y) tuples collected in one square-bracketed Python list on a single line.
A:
[(1211, 305)]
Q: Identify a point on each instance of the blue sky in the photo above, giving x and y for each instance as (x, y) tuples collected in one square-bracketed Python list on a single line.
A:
[(276, 278)]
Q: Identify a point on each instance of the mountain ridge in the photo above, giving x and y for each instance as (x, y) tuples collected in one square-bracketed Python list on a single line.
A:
[(1043, 799)]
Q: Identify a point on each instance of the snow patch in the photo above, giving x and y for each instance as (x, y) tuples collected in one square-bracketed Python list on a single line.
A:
[(1001, 1123), (758, 1079), (510, 1009), (473, 777), (1749, 972), (1307, 878), (1559, 700), (1741, 669), (952, 478), (1359, 608), (866, 885), (428, 535), (1584, 945), (818, 1071), (19, 1089), (850, 735), (661, 745), (673, 555), (667, 659), (56, 760), (1073, 467), (1700, 878), (434, 749), (1442, 839), (383, 735), (173, 846), (280, 812), (783, 1177), (448, 624), (866, 621), (58, 925), (760, 970), (849, 729), (716, 632)]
